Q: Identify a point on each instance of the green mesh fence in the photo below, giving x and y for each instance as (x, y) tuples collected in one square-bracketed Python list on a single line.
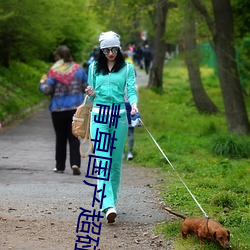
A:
[(208, 58), (207, 55)]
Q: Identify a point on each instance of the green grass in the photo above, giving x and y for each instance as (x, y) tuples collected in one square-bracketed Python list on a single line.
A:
[(19, 88), (214, 164)]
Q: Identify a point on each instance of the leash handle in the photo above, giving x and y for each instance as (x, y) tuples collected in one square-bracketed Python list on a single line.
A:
[(174, 170)]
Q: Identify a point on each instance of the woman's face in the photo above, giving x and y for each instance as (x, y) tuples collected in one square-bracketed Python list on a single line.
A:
[(110, 53)]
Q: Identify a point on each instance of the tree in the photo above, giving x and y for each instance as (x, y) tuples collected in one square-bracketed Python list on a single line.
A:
[(126, 17), (201, 99), (223, 38), (159, 46), (28, 33)]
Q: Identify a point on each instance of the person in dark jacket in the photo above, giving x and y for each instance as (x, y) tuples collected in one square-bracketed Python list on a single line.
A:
[(147, 54)]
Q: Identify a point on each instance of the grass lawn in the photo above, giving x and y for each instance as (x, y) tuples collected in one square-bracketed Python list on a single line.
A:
[(214, 164)]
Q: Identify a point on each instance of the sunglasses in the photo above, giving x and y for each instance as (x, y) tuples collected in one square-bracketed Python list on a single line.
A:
[(106, 51)]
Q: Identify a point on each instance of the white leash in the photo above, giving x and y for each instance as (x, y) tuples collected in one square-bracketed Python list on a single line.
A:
[(174, 169)]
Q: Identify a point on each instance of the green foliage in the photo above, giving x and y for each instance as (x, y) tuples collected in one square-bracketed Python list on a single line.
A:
[(241, 17), (219, 183), (29, 33), (231, 146), (128, 18), (176, 18), (224, 200), (243, 59), (19, 87), (175, 25)]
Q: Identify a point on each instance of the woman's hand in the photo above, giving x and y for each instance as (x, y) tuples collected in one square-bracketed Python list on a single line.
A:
[(134, 109), (90, 91), (43, 79)]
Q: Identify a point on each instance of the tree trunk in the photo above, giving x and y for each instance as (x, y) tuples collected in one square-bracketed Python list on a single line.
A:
[(159, 46), (223, 38), (235, 109), (201, 99)]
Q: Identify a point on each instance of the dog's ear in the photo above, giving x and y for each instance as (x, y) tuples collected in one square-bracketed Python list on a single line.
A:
[(214, 235), (228, 237)]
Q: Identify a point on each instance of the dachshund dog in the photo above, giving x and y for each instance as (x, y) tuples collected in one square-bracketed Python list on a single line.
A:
[(204, 229)]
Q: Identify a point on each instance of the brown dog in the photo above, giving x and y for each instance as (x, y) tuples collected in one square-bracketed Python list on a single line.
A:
[(204, 229)]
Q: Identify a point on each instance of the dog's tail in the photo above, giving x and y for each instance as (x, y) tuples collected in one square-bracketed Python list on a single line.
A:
[(175, 213)]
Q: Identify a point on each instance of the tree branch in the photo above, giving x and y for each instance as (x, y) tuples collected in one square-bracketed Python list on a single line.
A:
[(202, 9)]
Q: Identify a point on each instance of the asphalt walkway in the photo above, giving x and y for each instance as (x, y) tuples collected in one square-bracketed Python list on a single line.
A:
[(39, 208)]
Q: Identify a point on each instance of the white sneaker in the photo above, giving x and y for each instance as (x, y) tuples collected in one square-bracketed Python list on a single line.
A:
[(58, 171), (111, 215), (129, 156)]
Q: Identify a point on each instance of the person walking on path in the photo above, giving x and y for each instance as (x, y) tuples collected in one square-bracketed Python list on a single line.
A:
[(108, 78), (131, 129), (65, 84), (147, 54)]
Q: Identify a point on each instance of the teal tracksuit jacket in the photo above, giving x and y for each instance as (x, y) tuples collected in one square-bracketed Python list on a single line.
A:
[(109, 90)]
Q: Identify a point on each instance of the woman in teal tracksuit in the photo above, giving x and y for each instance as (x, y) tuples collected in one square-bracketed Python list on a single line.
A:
[(108, 77)]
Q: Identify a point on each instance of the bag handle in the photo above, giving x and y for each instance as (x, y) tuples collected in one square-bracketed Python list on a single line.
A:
[(90, 148), (85, 99), (87, 138)]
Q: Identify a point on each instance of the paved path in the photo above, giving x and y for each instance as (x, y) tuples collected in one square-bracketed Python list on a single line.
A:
[(39, 209), (141, 78)]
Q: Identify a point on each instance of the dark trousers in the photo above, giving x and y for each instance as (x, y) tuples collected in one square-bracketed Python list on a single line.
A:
[(130, 129), (62, 122), (131, 139), (147, 65)]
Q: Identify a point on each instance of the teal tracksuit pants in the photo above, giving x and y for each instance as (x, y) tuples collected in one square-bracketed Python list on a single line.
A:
[(111, 185)]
